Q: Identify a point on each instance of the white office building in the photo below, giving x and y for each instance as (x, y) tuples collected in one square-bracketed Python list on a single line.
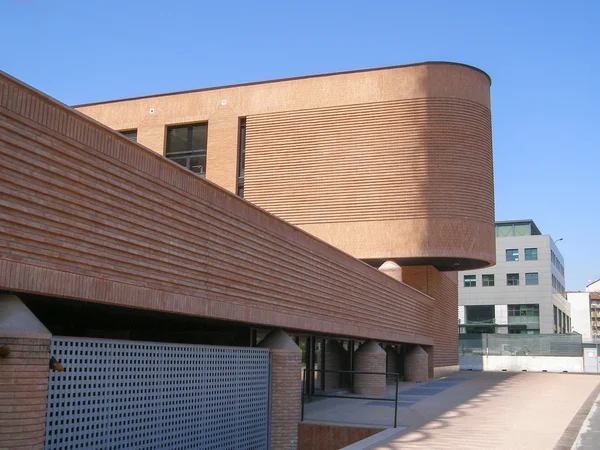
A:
[(523, 293), (585, 312)]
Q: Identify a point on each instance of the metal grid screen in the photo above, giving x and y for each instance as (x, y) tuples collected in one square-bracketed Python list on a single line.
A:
[(142, 395)]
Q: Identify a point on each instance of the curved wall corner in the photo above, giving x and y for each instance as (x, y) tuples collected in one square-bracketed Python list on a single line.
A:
[(407, 178)]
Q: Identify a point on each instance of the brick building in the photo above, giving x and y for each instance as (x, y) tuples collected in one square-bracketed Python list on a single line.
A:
[(322, 218)]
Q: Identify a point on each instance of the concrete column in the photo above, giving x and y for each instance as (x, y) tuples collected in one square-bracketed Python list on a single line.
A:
[(501, 318), (370, 357), (286, 366), (335, 359), (416, 365), (392, 269), (24, 369)]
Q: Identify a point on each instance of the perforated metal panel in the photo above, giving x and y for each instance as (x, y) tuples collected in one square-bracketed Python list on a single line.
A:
[(142, 395)]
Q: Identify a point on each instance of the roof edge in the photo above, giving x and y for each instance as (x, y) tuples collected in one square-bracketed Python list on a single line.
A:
[(277, 80)]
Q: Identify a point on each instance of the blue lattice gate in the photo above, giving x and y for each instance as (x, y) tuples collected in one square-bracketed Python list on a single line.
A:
[(144, 395)]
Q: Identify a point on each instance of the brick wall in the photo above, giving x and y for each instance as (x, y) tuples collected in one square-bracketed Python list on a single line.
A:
[(442, 286), (312, 436), (369, 384), (285, 398), (23, 393), (92, 216)]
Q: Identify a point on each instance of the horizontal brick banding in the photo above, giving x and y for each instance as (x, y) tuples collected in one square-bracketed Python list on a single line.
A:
[(389, 169), (443, 288), (23, 392), (87, 214), (369, 384), (313, 436)]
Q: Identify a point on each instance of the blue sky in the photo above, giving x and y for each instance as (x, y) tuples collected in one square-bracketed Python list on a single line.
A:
[(543, 57)]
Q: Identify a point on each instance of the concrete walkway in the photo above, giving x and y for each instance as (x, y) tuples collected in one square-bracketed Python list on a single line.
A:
[(497, 410)]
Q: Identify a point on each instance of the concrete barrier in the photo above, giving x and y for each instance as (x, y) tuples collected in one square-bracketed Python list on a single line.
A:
[(521, 363)]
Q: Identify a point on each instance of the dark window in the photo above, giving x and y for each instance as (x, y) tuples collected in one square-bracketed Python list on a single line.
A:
[(470, 280), (130, 134), (512, 279), (531, 254), (487, 280), (186, 145), (512, 254), (241, 157), (480, 314), (532, 310), (531, 279)]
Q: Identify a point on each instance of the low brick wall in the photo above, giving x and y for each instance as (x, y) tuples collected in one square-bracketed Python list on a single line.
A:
[(313, 436)]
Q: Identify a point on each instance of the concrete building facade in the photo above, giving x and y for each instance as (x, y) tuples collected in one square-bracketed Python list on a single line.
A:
[(523, 293), (103, 238), (585, 310)]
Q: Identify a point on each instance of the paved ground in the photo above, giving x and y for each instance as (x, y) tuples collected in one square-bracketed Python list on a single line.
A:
[(475, 410), (589, 435)]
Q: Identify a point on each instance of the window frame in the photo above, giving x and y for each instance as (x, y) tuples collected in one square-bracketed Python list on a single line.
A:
[(530, 251), (189, 153), (490, 278), (518, 281), (513, 254), (472, 281), (537, 279)]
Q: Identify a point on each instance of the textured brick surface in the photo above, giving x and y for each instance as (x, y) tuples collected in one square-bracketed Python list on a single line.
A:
[(88, 215), (312, 436), (443, 288), (416, 367), (365, 384), (23, 393), (285, 398), (331, 153)]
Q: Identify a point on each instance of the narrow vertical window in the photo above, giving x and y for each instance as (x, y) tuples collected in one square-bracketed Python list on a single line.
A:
[(241, 157)]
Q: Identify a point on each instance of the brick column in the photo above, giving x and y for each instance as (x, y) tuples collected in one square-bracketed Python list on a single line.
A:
[(416, 365), (370, 357), (286, 384), (25, 344)]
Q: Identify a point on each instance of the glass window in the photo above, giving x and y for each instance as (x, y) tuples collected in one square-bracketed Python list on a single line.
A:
[(470, 280), (531, 279), (186, 145), (130, 134), (531, 310), (241, 157), (531, 254), (512, 279), (512, 254), (487, 280)]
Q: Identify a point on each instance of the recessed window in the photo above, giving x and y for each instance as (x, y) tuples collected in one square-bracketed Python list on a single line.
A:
[(470, 280), (512, 279), (512, 254), (130, 134), (487, 280), (531, 254), (531, 279), (186, 145), (532, 310), (241, 157)]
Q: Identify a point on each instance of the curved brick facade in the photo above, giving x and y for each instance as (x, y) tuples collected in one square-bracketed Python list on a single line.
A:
[(392, 163)]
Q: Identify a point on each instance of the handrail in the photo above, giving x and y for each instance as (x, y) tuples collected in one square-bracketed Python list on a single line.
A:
[(363, 397)]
